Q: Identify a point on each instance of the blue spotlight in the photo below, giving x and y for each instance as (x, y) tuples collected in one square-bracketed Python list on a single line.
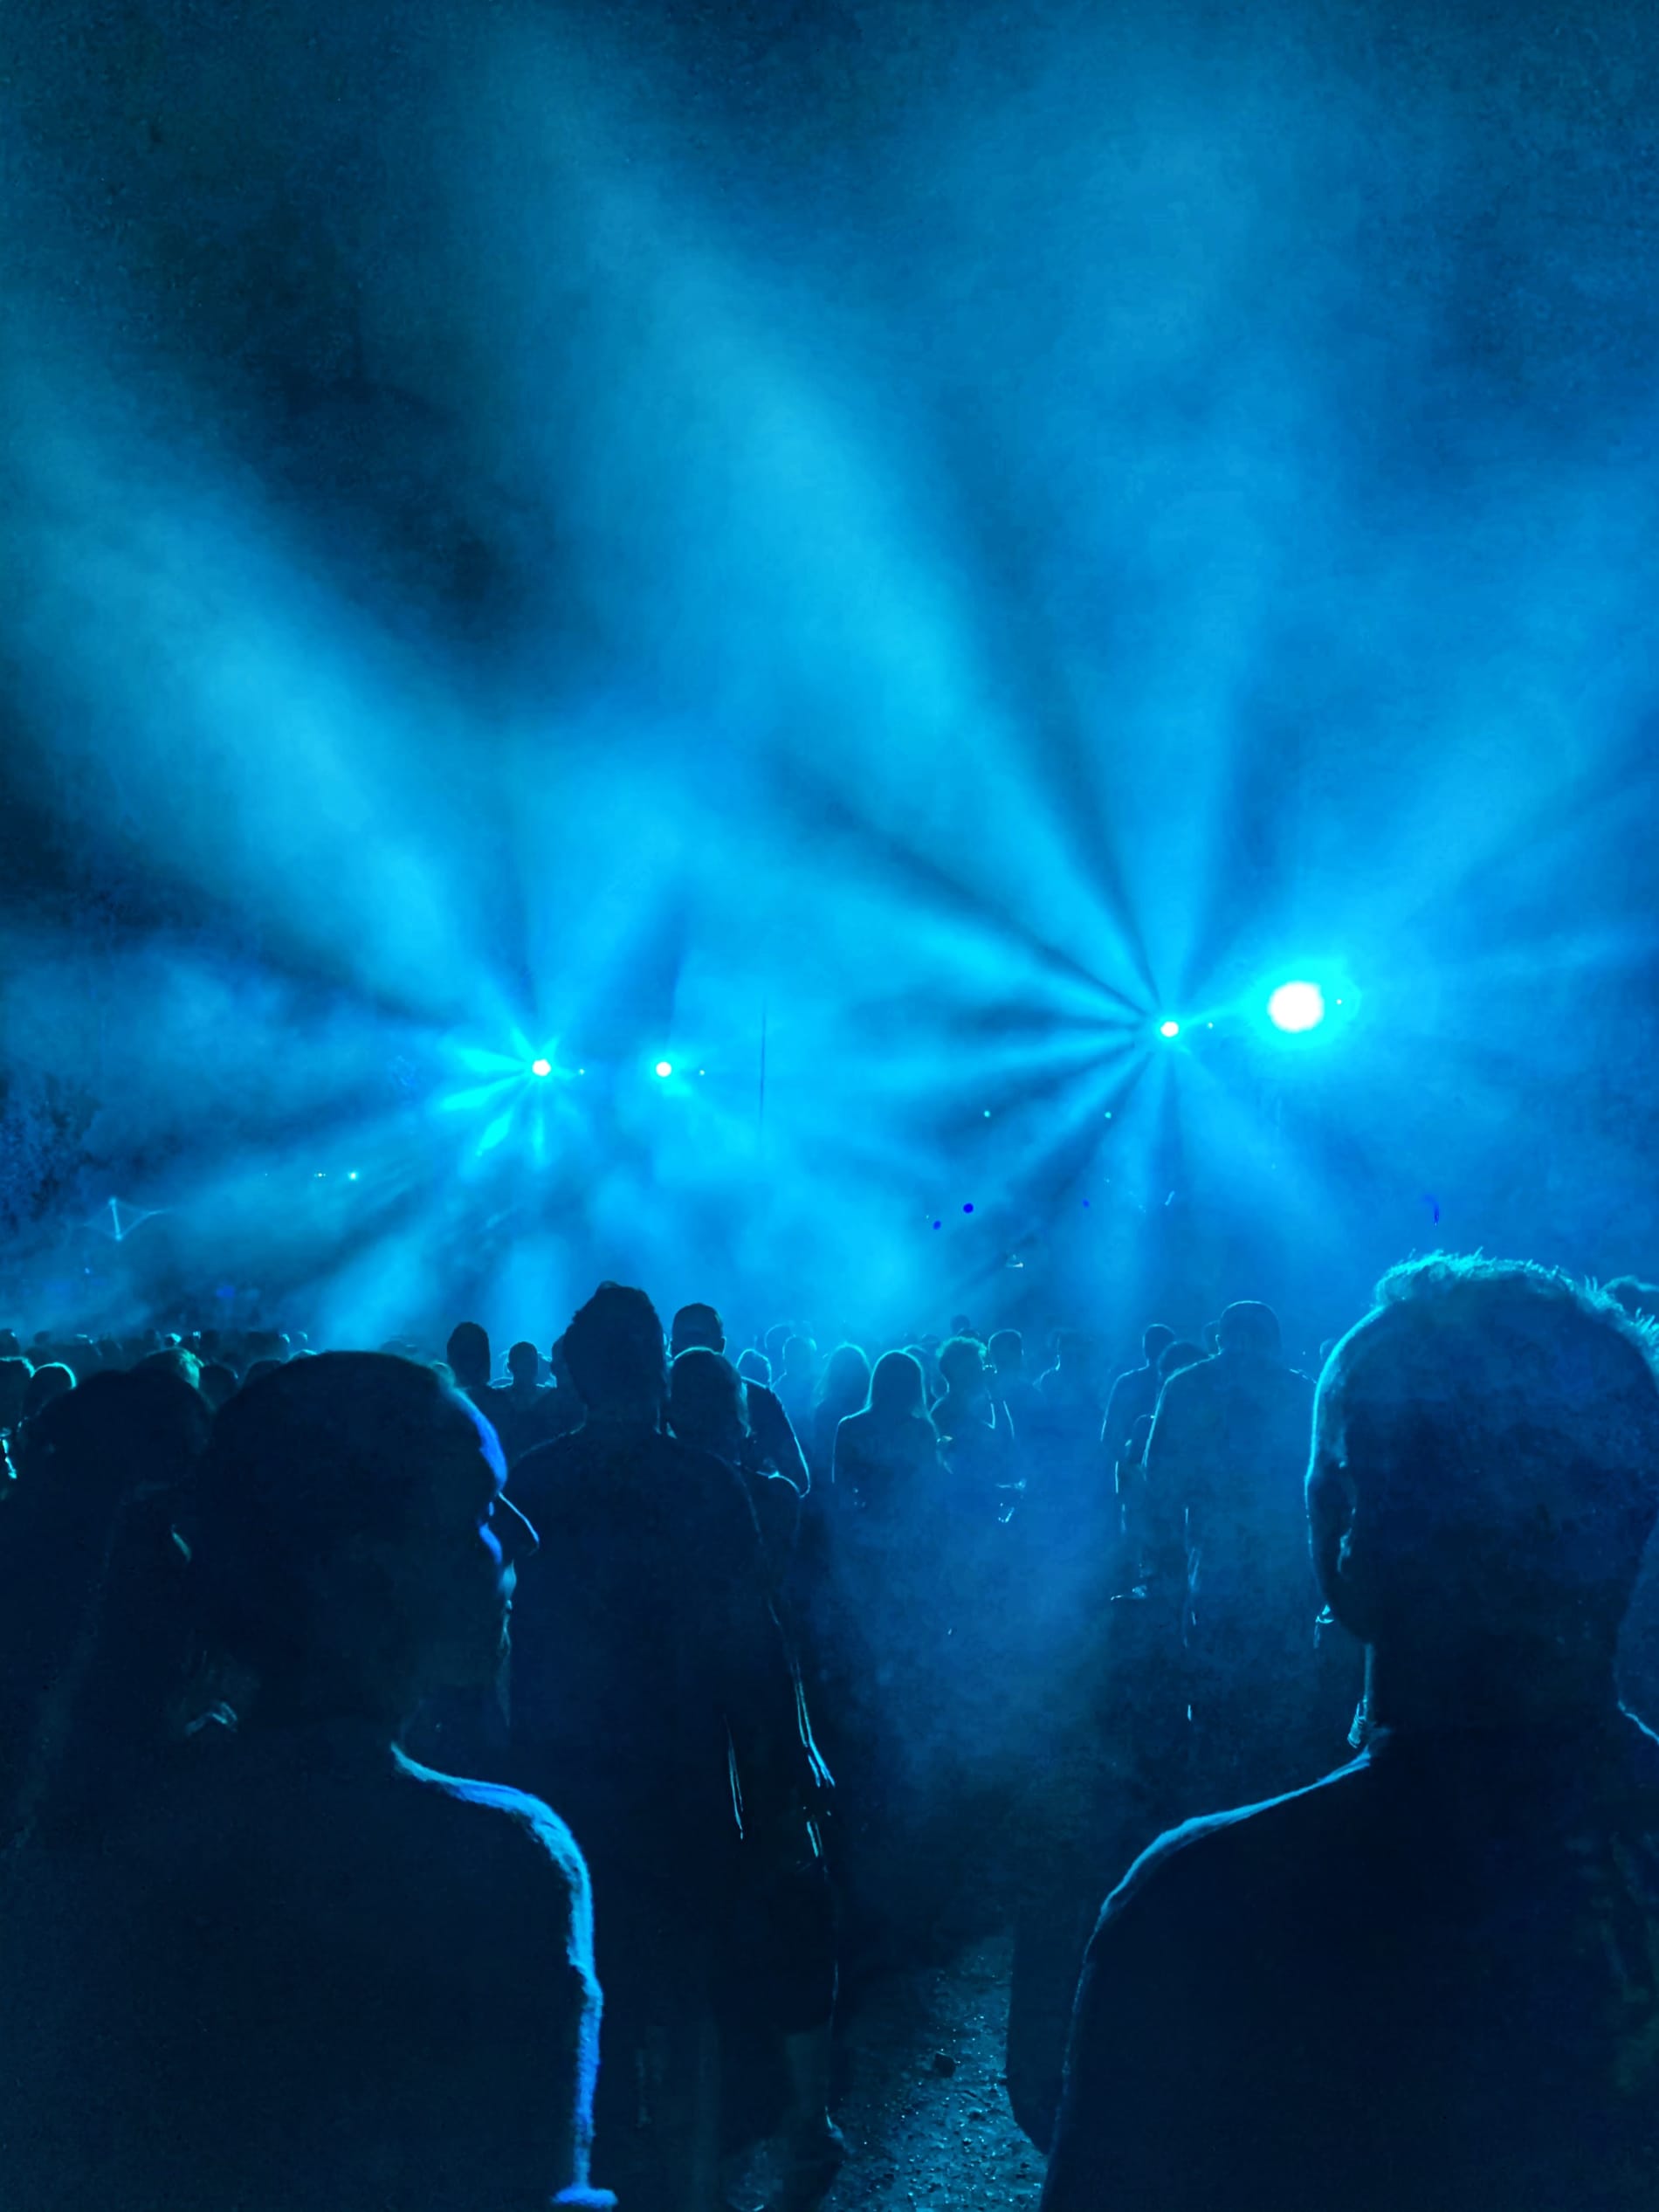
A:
[(542, 1067), (1169, 1028), (1296, 1007), (664, 1068)]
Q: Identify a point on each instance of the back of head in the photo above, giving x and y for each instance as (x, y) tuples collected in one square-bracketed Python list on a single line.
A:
[(1155, 1340), (705, 1402), (961, 1363), (800, 1357), (754, 1367), (697, 1325), (468, 1353), (173, 1361), (304, 1460), (897, 1385), (218, 1383), (1178, 1354), (1250, 1327), (43, 1385), (14, 1389), (524, 1365), (1486, 1449), (774, 1341), (1007, 1348), (845, 1384), (614, 1349)]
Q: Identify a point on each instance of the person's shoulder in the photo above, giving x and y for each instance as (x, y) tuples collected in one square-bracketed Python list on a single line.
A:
[(516, 1837), (1217, 1862)]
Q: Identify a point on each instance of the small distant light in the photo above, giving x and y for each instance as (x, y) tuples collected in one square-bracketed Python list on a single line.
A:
[(939, 1224), (665, 1067), (352, 1177), (542, 1067), (1169, 1028), (988, 1113), (968, 1206), (581, 1070), (702, 1070)]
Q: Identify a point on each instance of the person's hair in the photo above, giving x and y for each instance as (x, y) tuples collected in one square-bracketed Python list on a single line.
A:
[(260, 1369), (799, 1351), (960, 1361), (303, 1461), (754, 1367), (897, 1386), (1499, 1426), (1179, 1353), (1248, 1325), (173, 1361), (845, 1384), (218, 1383), (43, 1385), (698, 1326), (1155, 1339), (613, 1347), (524, 1360), (1638, 1299), (1007, 1348), (468, 1352), (774, 1340), (706, 1402)]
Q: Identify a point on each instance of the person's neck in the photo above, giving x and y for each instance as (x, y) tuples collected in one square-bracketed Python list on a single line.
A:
[(1488, 1686), (623, 1416)]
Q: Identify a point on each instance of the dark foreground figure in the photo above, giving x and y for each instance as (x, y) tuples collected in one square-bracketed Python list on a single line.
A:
[(1431, 1980), (299, 1970)]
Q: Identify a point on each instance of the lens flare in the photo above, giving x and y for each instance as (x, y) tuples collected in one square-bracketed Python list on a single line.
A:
[(542, 1067), (1169, 1028), (664, 1068)]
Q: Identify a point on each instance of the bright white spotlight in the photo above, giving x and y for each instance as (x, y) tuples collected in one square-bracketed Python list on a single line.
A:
[(664, 1068), (542, 1067), (1296, 1007), (1169, 1028)]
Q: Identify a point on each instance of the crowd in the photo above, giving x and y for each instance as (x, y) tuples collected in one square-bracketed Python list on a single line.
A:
[(423, 1787)]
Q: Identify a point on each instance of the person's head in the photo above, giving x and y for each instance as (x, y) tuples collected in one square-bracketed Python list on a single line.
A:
[(352, 1546), (1007, 1348), (468, 1356), (707, 1404), (962, 1364), (898, 1387), (800, 1359), (754, 1367), (14, 1371), (614, 1349), (1155, 1340), (961, 1326), (559, 1367), (1249, 1328), (43, 1385), (524, 1365), (1485, 1472), (845, 1384), (173, 1361), (1179, 1352), (774, 1341), (697, 1325), (259, 1369), (218, 1383)]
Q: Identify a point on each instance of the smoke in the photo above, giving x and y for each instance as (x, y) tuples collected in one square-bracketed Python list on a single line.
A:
[(941, 537)]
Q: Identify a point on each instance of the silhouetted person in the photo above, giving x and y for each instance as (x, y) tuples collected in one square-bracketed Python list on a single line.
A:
[(797, 1382), (523, 1412), (651, 1691), (708, 1410), (1131, 1463), (889, 1453), (843, 1388), (14, 1389), (1224, 1464), (976, 1440), (1010, 1385), (1135, 1392), (1428, 1980), (304, 1970), (774, 1447), (468, 1356), (46, 1383)]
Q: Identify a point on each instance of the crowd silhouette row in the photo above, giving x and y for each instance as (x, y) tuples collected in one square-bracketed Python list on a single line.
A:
[(423, 1789)]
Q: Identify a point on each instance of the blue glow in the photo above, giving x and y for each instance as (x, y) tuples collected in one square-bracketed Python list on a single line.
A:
[(1169, 1028), (1297, 1007)]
